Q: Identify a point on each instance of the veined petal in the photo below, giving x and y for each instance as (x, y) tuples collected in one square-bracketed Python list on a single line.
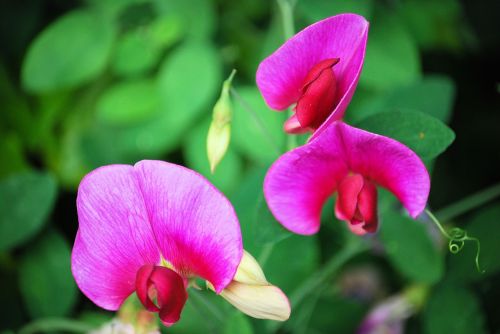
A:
[(281, 75), (299, 182), (114, 238), (382, 160), (195, 225), (258, 301)]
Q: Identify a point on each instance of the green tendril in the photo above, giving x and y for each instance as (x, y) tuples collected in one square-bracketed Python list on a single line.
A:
[(456, 239)]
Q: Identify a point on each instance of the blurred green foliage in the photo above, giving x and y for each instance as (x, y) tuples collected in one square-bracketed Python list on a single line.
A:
[(88, 83)]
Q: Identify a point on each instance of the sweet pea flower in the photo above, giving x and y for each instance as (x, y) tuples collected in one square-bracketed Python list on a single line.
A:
[(152, 228), (387, 317), (351, 162), (318, 70)]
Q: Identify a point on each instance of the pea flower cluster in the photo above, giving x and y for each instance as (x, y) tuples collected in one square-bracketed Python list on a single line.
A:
[(155, 228), (318, 70)]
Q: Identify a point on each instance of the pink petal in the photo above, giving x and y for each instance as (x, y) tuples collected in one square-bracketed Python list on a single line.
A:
[(128, 215), (383, 160), (281, 75), (114, 238), (299, 182), (195, 226)]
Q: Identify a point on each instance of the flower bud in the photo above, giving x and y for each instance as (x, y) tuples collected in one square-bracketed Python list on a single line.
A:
[(219, 133)]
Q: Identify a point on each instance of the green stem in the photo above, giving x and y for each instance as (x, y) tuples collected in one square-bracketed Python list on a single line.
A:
[(354, 246), (56, 325), (265, 253), (352, 249), (471, 202), (262, 127), (286, 10)]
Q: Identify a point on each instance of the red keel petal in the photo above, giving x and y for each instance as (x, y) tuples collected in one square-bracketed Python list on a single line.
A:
[(164, 285)]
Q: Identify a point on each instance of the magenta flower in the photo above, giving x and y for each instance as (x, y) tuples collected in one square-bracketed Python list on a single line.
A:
[(318, 69), (351, 162), (152, 228)]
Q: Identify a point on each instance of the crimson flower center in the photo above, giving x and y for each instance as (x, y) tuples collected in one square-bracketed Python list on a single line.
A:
[(357, 204), (161, 290), (318, 94)]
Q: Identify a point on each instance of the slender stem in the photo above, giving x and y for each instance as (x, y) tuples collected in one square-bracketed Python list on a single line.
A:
[(286, 10), (353, 247), (265, 253), (471, 202), (56, 325), (262, 127), (334, 263), (437, 223)]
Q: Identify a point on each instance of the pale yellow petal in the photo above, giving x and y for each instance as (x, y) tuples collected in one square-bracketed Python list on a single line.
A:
[(249, 271), (258, 301)]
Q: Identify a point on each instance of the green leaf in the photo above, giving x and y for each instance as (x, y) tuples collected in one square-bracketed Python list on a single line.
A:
[(201, 314), (70, 52), (257, 130), (198, 16), (238, 323), (245, 201), (187, 83), (482, 226), (129, 102), (315, 10), (140, 50), (425, 135), (453, 309), (26, 199), (410, 249), (46, 282), (15, 112), (433, 95), (227, 174), (337, 315), (435, 24), (266, 230), (292, 261), (392, 58), (11, 152)]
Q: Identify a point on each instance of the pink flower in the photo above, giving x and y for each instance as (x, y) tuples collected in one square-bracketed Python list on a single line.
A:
[(318, 69), (351, 162), (152, 228)]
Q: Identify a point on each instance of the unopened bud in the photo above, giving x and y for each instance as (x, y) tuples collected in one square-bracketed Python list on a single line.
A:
[(219, 133)]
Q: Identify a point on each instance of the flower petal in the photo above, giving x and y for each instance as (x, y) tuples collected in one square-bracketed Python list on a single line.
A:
[(195, 226), (281, 75), (385, 161), (114, 238), (258, 301), (249, 271), (299, 182)]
